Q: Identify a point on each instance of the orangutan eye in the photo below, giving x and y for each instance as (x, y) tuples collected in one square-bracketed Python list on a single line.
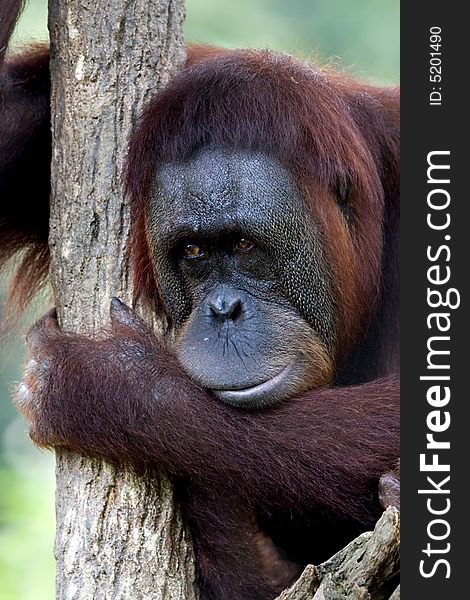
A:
[(193, 251), (243, 246)]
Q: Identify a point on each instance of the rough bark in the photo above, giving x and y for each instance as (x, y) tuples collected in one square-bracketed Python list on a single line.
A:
[(366, 569), (119, 536)]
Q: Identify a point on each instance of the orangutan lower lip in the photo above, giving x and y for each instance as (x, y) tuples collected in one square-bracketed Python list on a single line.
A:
[(256, 394)]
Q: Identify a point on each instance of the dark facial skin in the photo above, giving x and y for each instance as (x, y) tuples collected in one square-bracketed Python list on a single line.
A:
[(242, 276)]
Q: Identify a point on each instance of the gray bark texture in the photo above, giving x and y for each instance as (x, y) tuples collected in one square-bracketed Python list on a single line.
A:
[(119, 536), (364, 570)]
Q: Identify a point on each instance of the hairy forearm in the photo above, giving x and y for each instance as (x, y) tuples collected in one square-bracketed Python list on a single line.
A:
[(328, 447), (125, 398)]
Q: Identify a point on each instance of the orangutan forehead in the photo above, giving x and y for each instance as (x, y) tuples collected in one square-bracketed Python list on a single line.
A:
[(223, 184)]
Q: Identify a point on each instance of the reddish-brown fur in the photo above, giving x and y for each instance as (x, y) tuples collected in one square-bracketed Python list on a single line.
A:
[(304, 473), (313, 462), (331, 133), (25, 151)]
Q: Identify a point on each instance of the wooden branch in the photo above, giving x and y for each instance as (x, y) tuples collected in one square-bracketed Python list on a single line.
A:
[(366, 569)]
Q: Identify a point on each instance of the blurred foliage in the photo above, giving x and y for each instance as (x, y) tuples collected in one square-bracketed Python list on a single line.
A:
[(27, 528), (26, 485), (360, 35)]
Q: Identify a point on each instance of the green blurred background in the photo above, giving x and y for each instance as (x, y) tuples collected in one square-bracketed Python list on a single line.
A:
[(361, 36)]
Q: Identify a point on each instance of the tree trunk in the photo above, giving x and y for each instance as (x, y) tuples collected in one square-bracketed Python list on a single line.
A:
[(119, 536)]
